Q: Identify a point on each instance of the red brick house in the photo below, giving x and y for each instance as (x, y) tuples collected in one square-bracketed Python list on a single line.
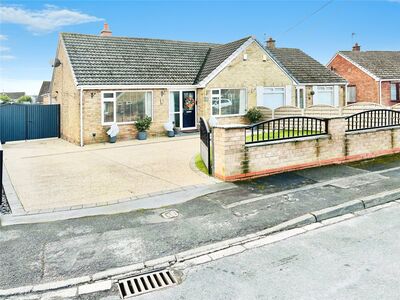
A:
[(373, 76)]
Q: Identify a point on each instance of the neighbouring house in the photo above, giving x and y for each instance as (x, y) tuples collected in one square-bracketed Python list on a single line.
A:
[(315, 84), (44, 93), (101, 80), (14, 96), (373, 76)]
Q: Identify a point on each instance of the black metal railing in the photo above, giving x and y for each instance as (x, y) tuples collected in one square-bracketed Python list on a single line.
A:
[(371, 119), (285, 128)]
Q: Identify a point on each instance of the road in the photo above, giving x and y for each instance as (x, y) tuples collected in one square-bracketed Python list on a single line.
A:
[(39, 253), (356, 259)]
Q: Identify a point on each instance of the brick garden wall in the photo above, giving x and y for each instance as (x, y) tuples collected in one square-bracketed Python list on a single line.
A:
[(234, 160)]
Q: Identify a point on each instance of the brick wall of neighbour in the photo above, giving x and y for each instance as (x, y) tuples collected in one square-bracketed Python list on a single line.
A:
[(234, 160), (65, 93), (92, 117), (367, 87)]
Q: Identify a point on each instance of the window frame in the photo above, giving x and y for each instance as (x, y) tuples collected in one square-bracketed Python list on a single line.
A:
[(397, 89), (348, 93), (325, 89), (275, 90), (219, 102), (114, 100)]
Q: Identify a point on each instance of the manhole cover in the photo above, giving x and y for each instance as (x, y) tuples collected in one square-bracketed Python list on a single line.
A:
[(146, 283), (170, 214)]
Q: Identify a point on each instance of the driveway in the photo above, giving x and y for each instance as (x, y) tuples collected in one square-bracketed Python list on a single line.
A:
[(54, 173)]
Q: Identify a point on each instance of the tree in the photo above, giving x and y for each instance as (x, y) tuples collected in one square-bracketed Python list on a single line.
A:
[(24, 99), (4, 98)]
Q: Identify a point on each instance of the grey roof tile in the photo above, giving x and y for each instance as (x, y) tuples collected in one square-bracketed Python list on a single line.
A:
[(303, 67), (98, 60), (383, 64)]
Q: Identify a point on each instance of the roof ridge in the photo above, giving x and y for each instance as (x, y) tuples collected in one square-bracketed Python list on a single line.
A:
[(137, 38)]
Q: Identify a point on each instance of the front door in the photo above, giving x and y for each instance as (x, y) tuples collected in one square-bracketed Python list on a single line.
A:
[(188, 109)]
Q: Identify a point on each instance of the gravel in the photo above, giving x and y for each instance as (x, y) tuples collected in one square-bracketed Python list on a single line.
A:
[(4, 207)]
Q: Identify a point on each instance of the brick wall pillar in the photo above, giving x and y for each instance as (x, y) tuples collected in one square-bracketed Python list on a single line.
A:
[(337, 130), (229, 151)]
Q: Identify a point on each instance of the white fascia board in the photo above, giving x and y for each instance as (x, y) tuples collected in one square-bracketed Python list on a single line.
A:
[(332, 59), (226, 62), (360, 67), (69, 61), (135, 87)]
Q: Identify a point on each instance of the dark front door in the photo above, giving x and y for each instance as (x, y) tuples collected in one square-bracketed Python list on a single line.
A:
[(189, 109)]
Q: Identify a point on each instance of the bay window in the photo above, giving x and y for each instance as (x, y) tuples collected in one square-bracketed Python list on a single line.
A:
[(126, 107), (228, 101)]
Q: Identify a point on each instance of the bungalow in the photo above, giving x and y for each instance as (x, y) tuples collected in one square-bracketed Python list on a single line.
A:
[(373, 76), (101, 80), (315, 84), (44, 93)]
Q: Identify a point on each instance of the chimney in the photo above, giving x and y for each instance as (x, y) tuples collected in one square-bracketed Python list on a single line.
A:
[(356, 47), (106, 31), (270, 43)]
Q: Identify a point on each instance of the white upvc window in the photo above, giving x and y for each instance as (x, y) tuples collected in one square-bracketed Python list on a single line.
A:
[(351, 93), (228, 102), (324, 95), (274, 97), (125, 107)]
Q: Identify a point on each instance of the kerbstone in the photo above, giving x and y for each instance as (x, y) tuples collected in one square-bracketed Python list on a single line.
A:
[(95, 287), (342, 209)]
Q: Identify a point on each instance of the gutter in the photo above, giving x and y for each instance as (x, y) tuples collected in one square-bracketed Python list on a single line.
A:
[(81, 116)]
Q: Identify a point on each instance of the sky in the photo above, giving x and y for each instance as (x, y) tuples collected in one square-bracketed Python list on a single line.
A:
[(29, 29)]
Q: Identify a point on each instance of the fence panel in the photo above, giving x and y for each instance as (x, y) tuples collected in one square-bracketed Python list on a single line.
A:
[(285, 128), (43, 121), (371, 119), (29, 121), (12, 122)]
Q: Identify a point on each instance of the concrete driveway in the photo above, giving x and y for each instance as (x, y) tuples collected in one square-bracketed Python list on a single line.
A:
[(54, 173)]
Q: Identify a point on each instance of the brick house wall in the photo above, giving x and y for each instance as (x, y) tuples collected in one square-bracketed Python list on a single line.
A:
[(65, 93), (246, 74), (367, 88)]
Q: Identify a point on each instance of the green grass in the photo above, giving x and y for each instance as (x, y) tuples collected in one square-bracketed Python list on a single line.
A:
[(200, 164), (274, 135)]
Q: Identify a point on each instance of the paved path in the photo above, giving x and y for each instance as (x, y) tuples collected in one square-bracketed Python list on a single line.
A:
[(38, 253), (52, 174), (355, 259)]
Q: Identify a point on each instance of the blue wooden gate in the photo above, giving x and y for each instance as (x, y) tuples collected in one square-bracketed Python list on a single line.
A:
[(29, 121)]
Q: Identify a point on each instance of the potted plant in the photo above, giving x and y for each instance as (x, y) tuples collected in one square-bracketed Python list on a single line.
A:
[(254, 115), (142, 125)]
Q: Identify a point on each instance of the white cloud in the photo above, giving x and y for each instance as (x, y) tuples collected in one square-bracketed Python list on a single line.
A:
[(2, 48), (7, 57), (49, 19), (3, 37)]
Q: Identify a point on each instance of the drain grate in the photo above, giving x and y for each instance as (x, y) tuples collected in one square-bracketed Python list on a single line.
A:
[(146, 283)]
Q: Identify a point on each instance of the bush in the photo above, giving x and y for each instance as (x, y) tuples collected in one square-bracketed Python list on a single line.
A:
[(254, 115), (24, 99), (143, 124), (4, 98)]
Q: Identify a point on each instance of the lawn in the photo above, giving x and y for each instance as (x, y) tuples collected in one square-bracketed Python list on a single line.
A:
[(274, 135), (200, 164)]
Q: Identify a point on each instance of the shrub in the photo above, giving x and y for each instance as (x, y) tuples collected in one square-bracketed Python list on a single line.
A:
[(254, 115), (4, 98), (24, 99), (143, 124)]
